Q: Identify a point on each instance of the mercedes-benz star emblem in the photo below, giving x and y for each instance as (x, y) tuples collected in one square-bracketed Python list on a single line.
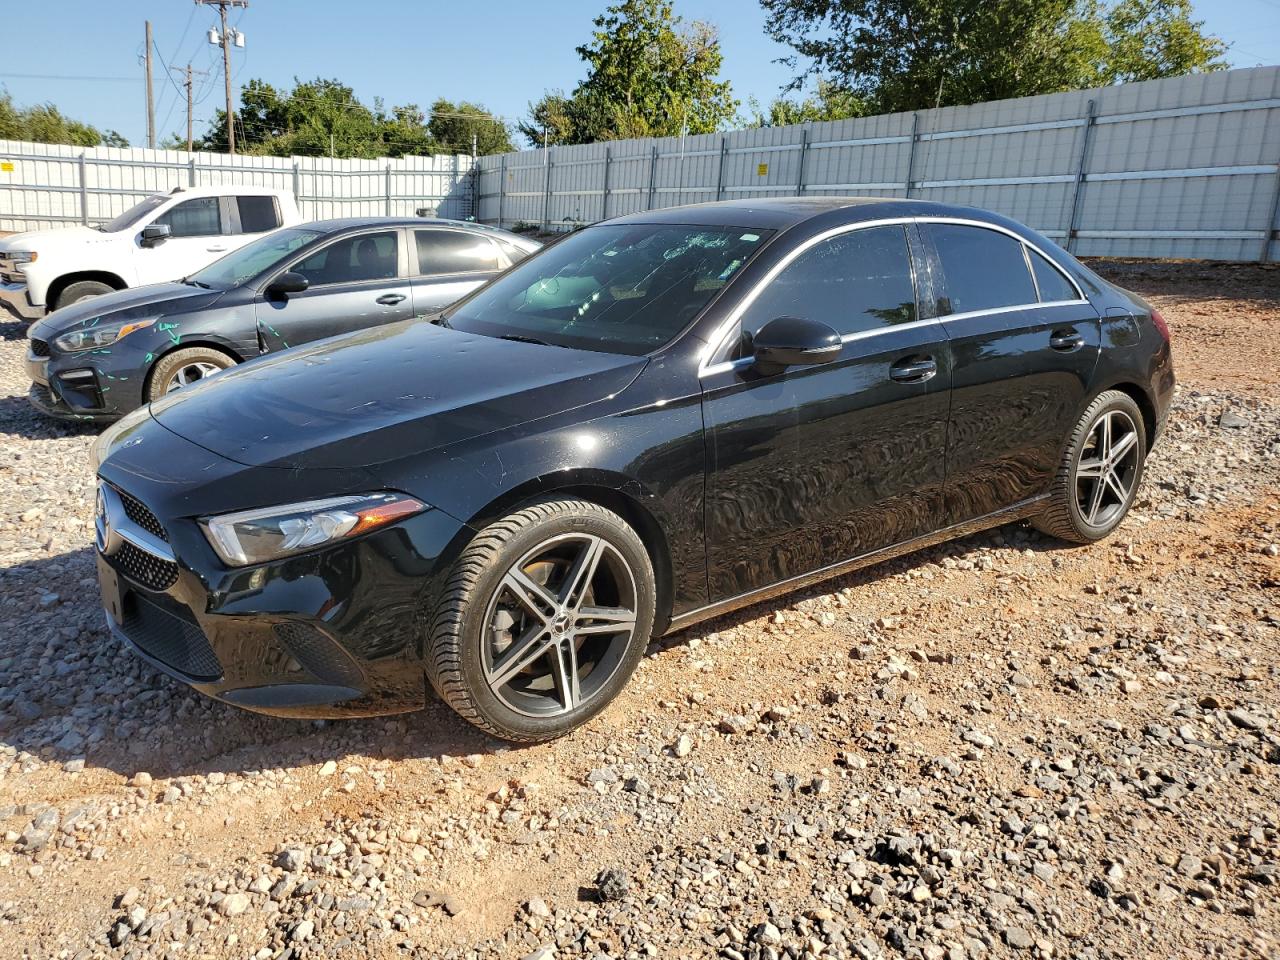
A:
[(104, 525)]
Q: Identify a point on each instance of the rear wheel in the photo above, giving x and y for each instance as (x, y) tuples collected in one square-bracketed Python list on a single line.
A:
[(1100, 471), (545, 617), (184, 367), (81, 290)]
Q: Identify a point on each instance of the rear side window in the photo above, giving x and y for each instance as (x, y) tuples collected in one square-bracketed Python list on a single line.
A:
[(257, 214), (1049, 279), (984, 269), (452, 251), (366, 256), (514, 254), (197, 217), (855, 282)]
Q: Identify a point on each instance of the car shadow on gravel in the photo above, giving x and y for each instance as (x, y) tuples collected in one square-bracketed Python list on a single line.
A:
[(12, 326), (70, 692), (20, 419)]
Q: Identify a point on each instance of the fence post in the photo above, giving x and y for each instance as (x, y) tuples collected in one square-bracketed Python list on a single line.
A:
[(297, 185), (653, 170), (1270, 232), (388, 184), (724, 152), (546, 193), (604, 194), (911, 153), (1078, 190), (804, 149), (84, 193), (191, 172), (502, 185)]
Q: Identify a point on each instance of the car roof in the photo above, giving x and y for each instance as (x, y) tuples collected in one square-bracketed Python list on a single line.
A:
[(225, 189), (780, 213), (350, 223)]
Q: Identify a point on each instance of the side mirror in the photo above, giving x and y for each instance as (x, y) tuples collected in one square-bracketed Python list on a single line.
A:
[(154, 234), (287, 283), (793, 342)]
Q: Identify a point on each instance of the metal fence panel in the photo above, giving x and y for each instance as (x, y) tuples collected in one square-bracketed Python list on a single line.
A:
[(47, 185), (1185, 167)]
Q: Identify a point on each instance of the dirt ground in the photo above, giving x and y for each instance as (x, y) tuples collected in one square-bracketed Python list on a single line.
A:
[(1001, 746)]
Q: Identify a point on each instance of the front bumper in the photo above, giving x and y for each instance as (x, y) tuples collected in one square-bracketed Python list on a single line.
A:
[(78, 387), (18, 297), (337, 633)]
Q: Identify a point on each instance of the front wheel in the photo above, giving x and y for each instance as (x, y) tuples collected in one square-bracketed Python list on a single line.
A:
[(82, 290), (1100, 471), (182, 368), (544, 619)]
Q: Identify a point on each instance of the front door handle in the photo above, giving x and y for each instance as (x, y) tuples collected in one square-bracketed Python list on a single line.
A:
[(913, 370), (216, 249), (390, 299), (1066, 340)]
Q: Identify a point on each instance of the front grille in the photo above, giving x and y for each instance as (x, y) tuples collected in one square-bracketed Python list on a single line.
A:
[(39, 348), (138, 512), (144, 568), (319, 654), (176, 643)]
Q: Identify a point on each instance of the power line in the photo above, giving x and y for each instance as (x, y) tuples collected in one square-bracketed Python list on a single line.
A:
[(68, 76)]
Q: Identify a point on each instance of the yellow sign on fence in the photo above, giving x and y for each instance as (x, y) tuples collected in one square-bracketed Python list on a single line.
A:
[(7, 167), (762, 170)]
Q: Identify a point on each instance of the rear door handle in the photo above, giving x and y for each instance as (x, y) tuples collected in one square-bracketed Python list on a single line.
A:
[(390, 299), (216, 249), (1066, 340), (913, 370)]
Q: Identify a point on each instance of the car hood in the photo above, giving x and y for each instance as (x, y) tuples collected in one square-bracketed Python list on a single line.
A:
[(42, 241), (135, 303), (385, 393)]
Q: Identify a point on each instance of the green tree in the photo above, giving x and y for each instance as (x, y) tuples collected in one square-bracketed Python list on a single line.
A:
[(829, 102), (647, 76), (915, 54), (45, 123), (453, 125)]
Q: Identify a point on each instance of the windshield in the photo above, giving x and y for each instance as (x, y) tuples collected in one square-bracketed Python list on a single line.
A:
[(133, 214), (253, 258), (612, 288)]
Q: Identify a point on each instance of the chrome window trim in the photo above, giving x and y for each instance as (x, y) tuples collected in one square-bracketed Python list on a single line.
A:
[(717, 342)]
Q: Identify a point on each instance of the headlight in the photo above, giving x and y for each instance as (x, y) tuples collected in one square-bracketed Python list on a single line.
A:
[(22, 256), (256, 536), (86, 338)]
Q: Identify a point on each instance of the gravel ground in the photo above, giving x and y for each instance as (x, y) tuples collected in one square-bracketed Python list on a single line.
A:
[(997, 747)]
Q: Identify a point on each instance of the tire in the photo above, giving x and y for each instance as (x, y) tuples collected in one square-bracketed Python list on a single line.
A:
[(82, 290), (1078, 512), (482, 631), (189, 364)]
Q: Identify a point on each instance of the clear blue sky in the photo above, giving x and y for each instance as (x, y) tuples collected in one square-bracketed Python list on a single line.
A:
[(502, 53)]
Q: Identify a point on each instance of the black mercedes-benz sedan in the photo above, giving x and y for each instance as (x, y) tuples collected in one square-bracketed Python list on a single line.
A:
[(103, 356), (655, 420)]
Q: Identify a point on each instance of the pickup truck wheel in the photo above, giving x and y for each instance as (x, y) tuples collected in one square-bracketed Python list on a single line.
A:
[(81, 290), (182, 368)]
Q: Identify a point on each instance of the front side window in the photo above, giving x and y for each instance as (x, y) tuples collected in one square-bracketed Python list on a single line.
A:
[(258, 214), (452, 251), (614, 288), (197, 217), (366, 256), (984, 269), (253, 258), (854, 282)]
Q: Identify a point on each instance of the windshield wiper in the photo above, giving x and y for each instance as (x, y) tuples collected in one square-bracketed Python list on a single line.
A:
[(518, 338), (195, 283)]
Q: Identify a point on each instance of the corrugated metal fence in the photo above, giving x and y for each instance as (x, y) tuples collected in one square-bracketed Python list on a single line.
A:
[(1186, 167), (44, 185)]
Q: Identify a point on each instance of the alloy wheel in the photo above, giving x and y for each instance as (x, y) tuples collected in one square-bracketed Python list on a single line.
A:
[(191, 373), (559, 625), (1107, 468)]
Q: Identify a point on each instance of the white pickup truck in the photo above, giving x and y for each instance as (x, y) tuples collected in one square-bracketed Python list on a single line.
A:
[(165, 237)]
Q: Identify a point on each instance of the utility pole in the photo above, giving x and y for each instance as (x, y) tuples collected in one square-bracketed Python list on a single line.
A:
[(151, 103), (189, 75), (222, 6)]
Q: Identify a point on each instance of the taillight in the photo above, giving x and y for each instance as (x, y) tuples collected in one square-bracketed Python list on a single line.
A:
[(1160, 325)]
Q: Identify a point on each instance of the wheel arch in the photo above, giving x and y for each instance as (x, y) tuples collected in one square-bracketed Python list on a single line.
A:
[(1146, 404), (55, 288), (621, 494)]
